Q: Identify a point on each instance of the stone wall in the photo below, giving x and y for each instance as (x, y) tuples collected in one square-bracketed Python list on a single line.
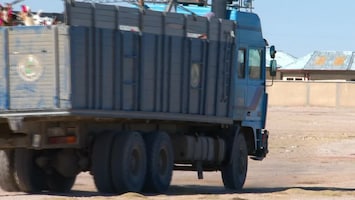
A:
[(312, 93)]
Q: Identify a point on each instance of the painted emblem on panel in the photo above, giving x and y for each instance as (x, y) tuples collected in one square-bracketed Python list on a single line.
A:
[(29, 68)]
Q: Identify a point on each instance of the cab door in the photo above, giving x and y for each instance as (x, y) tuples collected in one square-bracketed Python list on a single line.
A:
[(250, 99), (241, 85), (256, 97)]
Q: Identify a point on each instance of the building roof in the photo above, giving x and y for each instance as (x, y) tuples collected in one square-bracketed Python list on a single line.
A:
[(298, 63), (324, 60), (283, 59)]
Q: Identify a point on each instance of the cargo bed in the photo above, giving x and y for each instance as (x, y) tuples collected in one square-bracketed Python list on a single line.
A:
[(120, 62)]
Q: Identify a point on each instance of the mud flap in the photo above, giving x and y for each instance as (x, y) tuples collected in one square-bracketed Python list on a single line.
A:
[(263, 148)]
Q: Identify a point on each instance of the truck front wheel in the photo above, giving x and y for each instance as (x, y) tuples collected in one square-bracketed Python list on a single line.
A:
[(234, 172), (59, 183)]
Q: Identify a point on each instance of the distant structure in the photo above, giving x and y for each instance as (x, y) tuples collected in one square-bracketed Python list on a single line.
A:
[(283, 59), (320, 65)]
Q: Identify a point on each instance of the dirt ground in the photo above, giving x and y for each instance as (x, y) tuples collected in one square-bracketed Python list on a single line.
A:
[(312, 156)]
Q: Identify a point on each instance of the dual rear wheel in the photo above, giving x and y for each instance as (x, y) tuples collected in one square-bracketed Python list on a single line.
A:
[(160, 162), (129, 162), (7, 171), (123, 162), (20, 172)]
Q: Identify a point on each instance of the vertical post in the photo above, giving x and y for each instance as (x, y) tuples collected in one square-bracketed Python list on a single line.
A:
[(141, 3), (171, 7), (219, 8), (67, 13)]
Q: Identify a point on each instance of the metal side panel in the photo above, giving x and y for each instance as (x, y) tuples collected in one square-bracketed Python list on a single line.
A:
[(105, 16), (151, 47), (150, 63), (225, 58), (4, 60), (212, 68), (128, 19), (33, 68), (197, 45), (63, 57), (174, 70), (105, 69), (175, 24), (172, 80), (81, 14), (152, 22), (80, 64), (97, 80), (130, 70), (196, 26)]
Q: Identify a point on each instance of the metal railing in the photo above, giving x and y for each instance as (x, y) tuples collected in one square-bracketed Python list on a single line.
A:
[(237, 4)]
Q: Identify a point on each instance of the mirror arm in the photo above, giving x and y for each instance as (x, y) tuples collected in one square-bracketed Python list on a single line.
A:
[(272, 82)]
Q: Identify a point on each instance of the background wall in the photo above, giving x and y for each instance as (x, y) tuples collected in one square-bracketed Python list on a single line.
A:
[(312, 93)]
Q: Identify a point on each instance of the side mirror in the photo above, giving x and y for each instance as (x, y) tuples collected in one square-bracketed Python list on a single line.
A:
[(272, 52), (273, 68)]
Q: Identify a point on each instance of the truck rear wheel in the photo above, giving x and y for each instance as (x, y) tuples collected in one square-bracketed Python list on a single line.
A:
[(31, 178), (235, 171), (59, 183), (101, 162), (160, 162), (129, 162), (7, 173)]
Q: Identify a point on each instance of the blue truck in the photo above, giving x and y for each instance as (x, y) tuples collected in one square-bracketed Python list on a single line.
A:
[(131, 94)]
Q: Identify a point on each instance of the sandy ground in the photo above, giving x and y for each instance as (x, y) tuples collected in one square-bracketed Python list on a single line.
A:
[(312, 156)]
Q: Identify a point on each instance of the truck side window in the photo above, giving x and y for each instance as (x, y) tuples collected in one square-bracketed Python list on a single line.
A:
[(241, 63), (255, 63)]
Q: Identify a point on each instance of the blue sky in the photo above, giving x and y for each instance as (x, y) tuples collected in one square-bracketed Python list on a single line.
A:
[(296, 27), (300, 27), (35, 5)]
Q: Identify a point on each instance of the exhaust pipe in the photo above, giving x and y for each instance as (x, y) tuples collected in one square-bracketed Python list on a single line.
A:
[(219, 8)]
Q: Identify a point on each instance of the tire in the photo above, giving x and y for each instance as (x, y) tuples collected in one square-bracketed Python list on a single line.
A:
[(7, 171), (101, 162), (59, 183), (31, 178), (235, 171), (160, 162), (128, 162)]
